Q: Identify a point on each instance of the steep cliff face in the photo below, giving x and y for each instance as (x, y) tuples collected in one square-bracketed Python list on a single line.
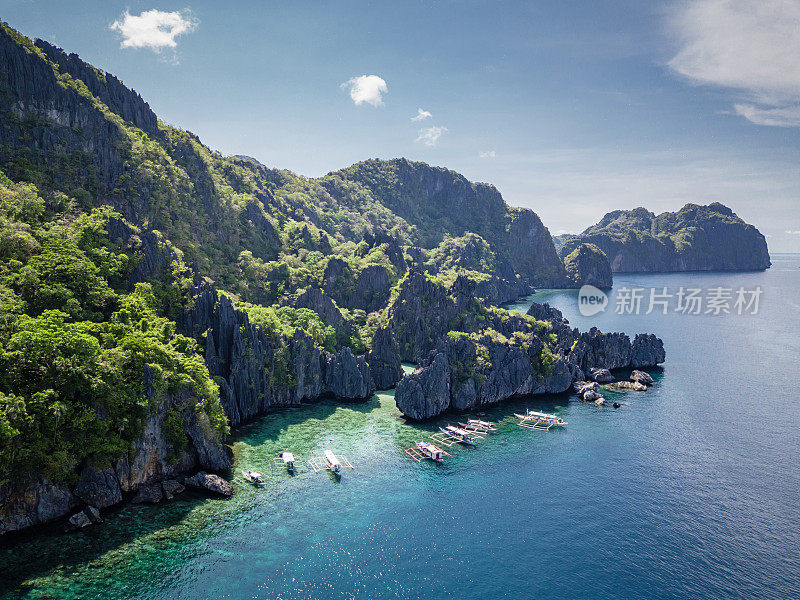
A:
[(257, 371), (73, 128), (384, 359), (45, 118), (108, 89), (466, 371), (153, 459), (696, 238), (424, 311)]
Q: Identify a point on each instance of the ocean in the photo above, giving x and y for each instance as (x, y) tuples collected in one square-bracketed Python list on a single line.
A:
[(688, 490)]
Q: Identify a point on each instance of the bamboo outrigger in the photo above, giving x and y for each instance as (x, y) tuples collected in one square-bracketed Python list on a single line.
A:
[(425, 450), (533, 419), (330, 462), (288, 461), (451, 435), (478, 426)]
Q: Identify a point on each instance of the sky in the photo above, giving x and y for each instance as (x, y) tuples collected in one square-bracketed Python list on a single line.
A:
[(570, 108)]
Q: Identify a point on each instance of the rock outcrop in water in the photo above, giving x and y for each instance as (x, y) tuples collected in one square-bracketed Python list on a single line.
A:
[(696, 238), (509, 357), (466, 373), (588, 265)]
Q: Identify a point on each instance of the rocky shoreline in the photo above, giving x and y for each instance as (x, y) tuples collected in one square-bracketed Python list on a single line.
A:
[(467, 372), (469, 355)]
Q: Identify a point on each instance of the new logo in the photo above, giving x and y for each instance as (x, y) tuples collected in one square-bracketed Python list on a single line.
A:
[(591, 300)]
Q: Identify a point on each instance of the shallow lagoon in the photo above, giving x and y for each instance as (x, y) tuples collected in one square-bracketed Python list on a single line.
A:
[(687, 490)]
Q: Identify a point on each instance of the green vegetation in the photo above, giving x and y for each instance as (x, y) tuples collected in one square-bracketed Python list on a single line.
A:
[(78, 351), (88, 351)]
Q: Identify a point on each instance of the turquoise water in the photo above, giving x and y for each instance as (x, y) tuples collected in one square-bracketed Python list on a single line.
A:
[(691, 489)]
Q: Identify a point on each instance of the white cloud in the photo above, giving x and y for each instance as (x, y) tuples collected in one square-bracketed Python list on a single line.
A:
[(488, 154), (790, 232), (752, 46), (430, 135), (421, 115), (154, 29), (366, 88), (778, 117)]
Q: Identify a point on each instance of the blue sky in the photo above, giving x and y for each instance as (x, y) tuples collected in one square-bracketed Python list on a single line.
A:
[(569, 108)]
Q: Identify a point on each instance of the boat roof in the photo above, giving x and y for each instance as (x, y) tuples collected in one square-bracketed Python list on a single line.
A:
[(536, 413)]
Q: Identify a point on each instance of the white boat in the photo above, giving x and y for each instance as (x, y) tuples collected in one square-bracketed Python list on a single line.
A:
[(431, 451), (458, 434), (332, 460), (288, 460), (329, 461), (539, 420), (253, 477)]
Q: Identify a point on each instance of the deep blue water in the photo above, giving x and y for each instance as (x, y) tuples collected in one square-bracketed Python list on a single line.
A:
[(689, 490)]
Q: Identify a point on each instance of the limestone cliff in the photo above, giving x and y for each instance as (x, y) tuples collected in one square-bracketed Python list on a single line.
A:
[(257, 371), (465, 371), (154, 458), (588, 265)]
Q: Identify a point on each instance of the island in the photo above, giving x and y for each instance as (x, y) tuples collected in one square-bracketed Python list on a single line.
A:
[(156, 293)]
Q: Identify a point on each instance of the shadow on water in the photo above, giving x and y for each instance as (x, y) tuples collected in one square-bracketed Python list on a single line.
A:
[(273, 424), (24, 562)]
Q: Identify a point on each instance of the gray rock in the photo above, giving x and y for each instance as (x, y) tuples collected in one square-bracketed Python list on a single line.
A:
[(93, 514), (99, 488), (587, 264), (257, 372), (211, 453), (585, 386), (346, 376), (560, 378), (372, 289), (316, 300), (595, 349), (601, 375), (171, 488), (647, 351), (641, 377), (78, 521), (34, 504), (425, 393), (384, 359), (627, 385), (210, 482), (148, 494), (591, 395)]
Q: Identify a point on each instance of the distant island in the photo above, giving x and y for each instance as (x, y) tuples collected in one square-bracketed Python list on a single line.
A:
[(696, 238)]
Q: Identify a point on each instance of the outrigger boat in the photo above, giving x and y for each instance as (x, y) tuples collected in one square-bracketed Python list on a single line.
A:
[(286, 460), (253, 477), (459, 435), (478, 426), (330, 462), (533, 419), (426, 450)]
